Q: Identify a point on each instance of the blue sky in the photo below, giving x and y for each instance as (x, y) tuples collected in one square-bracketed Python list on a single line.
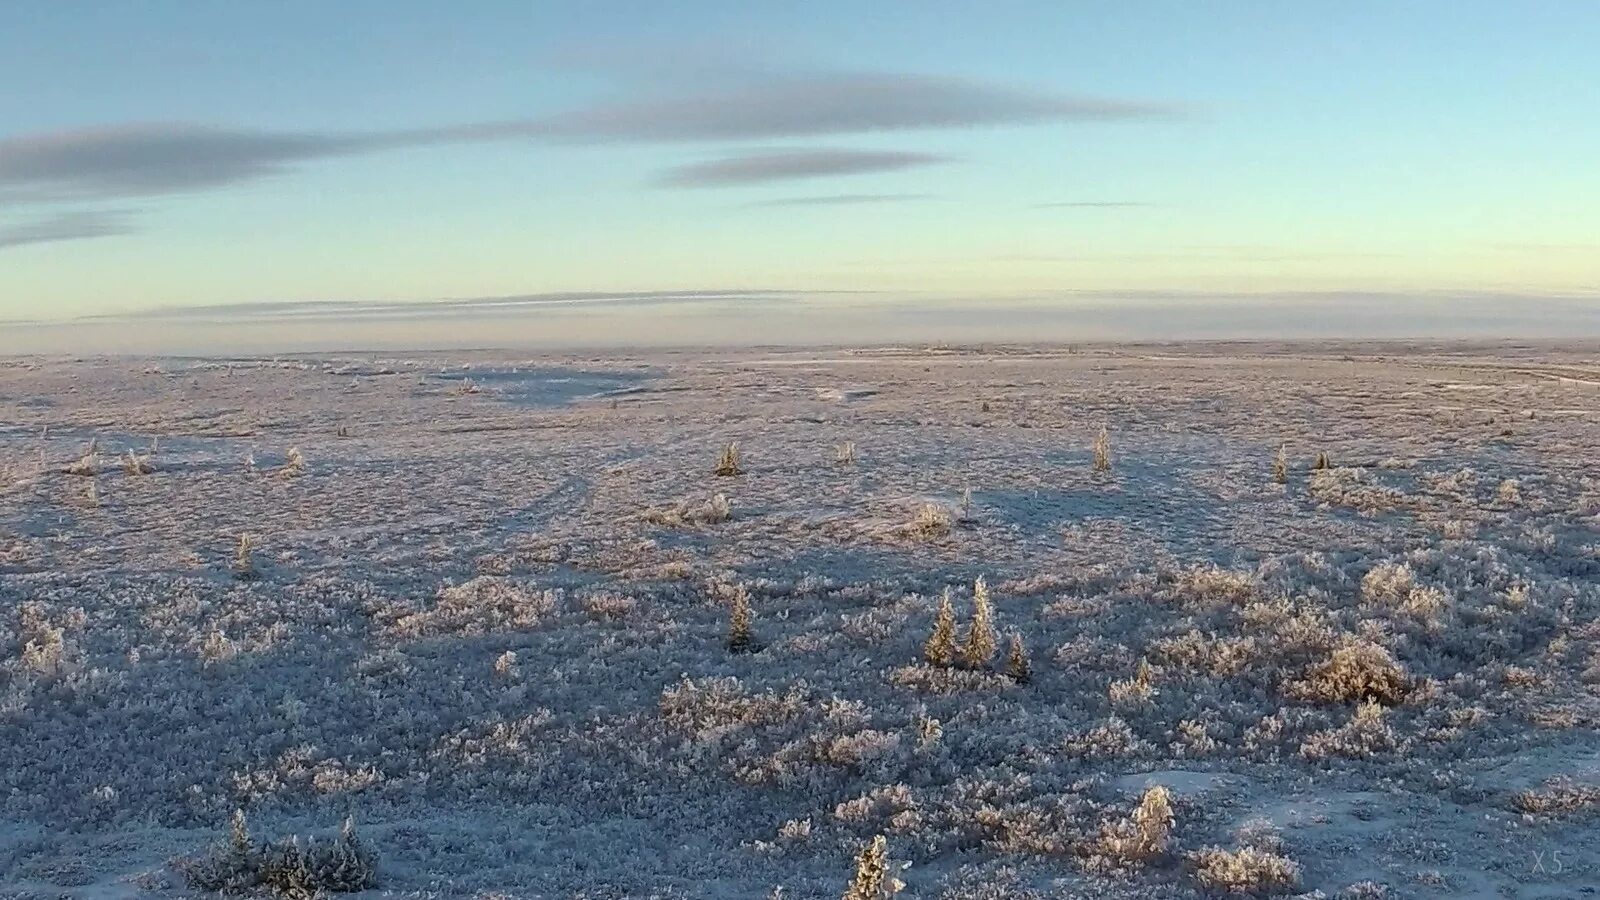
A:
[(165, 154)]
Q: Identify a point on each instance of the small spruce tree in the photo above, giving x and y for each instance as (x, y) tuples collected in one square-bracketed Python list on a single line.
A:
[(1102, 450), (1017, 665), (239, 834), (873, 879), (244, 561), (980, 644), (728, 462), (1153, 819), (940, 650), (741, 624)]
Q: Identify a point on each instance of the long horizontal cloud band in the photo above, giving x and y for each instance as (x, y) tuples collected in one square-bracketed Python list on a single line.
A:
[(156, 159)]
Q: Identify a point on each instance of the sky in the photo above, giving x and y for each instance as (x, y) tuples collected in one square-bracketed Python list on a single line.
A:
[(406, 172)]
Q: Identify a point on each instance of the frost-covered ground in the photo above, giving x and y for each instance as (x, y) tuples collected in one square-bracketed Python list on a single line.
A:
[(488, 619)]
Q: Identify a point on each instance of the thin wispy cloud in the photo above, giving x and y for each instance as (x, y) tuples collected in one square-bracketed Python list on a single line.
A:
[(780, 165), (839, 200), (454, 308), (1093, 204), (65, 227), (823, 104)]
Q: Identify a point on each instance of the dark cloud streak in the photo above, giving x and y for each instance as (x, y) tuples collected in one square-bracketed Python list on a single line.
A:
[(822, 104), (779, 165), (70, 226)]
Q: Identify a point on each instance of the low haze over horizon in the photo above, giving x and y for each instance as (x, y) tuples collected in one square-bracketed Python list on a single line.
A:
[(183, 175)]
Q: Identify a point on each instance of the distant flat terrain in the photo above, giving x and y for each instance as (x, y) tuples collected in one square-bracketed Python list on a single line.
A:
[(1341, 601)]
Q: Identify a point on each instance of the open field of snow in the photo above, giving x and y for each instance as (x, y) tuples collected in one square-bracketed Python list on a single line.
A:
[(480, 603)]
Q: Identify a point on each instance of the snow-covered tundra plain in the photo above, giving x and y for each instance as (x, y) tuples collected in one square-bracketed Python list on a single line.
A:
[(1330, 621)]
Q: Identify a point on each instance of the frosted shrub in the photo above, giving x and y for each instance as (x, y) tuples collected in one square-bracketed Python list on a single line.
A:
[(1280, 464), (1558, 796), (728, 461), (1248, 870), (1211, 584), (1194, 740), (294, 464), (1358, 670), (712, 707), (217, 647), (845, 454), (1388, 583), (1112, 738), (134, 464), (1192, 651), (87, 465), (1135, 691), (1365, 735), (932, 521), (505, 665), (1394, 585), (714, 511), (1509, 493), (717, 510), (1350, 488), (482, 605), (46, 652)]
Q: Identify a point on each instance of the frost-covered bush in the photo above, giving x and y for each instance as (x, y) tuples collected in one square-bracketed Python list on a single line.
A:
[(1246, 870), (1560, 796), (932, 521), (294, 464), (1135, 691), (1394, 585), (1358, 670), (482, 605), (1365, 735), (134, 464), (1351, 488)]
